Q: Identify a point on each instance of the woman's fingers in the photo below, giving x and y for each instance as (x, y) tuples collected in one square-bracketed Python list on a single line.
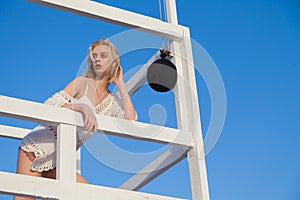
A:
[(90, 120), (91, 123), (87, 123)]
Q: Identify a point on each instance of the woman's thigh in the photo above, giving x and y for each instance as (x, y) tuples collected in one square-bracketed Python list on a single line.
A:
[(52, 174), (25, 160)]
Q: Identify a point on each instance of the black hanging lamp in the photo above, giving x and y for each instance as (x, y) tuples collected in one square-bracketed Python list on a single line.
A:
[(162, 73)]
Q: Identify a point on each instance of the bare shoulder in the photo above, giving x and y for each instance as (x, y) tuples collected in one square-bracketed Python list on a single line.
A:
[(76, 86)]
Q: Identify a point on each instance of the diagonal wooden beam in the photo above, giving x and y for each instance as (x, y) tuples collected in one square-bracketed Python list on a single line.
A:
[(154, 169), (140, 77)]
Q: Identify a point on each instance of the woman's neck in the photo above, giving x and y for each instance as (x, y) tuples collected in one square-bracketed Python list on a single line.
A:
[(101, 84)]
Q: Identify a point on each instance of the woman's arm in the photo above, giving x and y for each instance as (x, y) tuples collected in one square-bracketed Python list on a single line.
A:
[(90, 120), (128, 107), (76, 88), (65, 98)]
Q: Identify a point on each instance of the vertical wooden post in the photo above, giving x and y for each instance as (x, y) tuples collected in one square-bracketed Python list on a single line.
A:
[(196, 156), (187, 107), (66, 158), (179, 90), (78, 163)]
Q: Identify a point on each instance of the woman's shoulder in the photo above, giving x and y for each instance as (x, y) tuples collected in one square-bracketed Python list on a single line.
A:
[(76, 86), (81, 79)]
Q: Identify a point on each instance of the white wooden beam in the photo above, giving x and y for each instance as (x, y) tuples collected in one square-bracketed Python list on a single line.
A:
[(196, 156), (19, 133), (154, 169), (66, 154), (23, 185), (13, 132), (116, 16), (171, 12), (140, 77), (187, 107), (28, 186), (46, 114)]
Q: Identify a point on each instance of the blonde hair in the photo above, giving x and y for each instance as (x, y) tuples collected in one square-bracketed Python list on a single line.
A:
[(114, 65)]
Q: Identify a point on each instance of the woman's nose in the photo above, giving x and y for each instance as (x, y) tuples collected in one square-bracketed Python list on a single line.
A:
[(97, 58)]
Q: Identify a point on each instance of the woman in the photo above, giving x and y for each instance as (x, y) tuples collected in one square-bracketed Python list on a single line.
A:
[(88, 95)]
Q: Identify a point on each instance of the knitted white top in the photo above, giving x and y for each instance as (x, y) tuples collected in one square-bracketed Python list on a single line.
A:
[(42, 139)]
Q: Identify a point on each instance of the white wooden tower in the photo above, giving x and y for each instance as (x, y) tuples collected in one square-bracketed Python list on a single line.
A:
[(187, 136)]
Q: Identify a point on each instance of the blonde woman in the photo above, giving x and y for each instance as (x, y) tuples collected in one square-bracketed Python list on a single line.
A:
[(86, 94)]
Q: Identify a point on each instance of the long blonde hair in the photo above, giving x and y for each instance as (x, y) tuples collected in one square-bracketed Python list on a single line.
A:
[(114, 65)]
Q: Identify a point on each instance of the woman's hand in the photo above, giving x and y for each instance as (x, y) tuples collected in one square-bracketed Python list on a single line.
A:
[(127, 103), (90, 120), (119, 76)]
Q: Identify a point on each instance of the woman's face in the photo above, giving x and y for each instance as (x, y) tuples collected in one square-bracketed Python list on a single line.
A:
[(101, 59)]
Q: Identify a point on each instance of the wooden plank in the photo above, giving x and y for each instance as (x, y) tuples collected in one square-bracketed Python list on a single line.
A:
[(196, 156), (19, 133), (187, 107), (13, 132), (154, 169), (179, 90), (140, 77), (28, 186), (115, 15), (45, 114), (23, 185), (66, 153), (171, 11)]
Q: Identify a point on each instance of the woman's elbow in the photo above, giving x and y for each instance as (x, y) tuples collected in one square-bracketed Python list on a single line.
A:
[(131, 116)]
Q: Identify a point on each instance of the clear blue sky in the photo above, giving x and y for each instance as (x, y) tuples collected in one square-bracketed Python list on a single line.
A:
[(256, 47)]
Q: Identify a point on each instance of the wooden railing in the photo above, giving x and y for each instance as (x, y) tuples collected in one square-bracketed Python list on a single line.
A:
[(67, 121)]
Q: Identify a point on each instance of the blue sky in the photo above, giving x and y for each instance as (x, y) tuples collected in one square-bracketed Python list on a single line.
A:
[(255, 45)]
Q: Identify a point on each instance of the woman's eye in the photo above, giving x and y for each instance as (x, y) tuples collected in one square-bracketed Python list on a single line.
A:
[(103, 55)]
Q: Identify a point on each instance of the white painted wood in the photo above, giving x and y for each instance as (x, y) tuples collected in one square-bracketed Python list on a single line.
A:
[(36, 112), (154, 169), (66, 159), (78, 161), (180, 87), (93, 192), (146, 132), (171, 11), (19, 133), (66, 153), (13, 132), (11, 184), (114, 15), (188, 115), (187, 107), (196, 156), (45, 114)]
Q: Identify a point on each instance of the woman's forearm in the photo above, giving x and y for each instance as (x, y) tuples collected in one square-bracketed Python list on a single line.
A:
[(76, 107), (128, 107), (90, 120)]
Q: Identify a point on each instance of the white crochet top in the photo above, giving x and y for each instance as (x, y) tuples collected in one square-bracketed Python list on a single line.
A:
[(42, 139)]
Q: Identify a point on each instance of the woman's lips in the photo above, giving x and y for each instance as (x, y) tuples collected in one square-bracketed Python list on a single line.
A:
[(98, 66)]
